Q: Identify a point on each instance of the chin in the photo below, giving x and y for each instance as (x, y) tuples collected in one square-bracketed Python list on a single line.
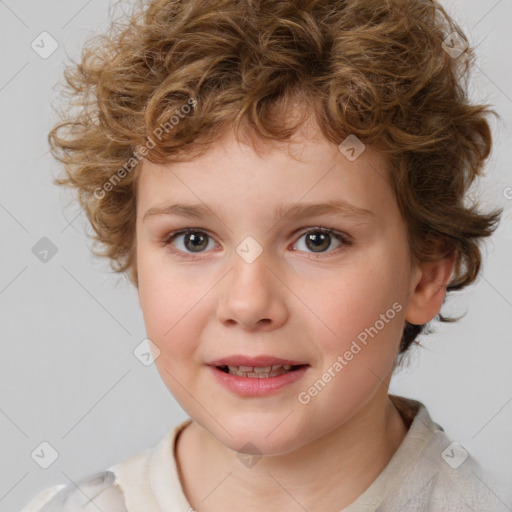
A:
[(260, 439)]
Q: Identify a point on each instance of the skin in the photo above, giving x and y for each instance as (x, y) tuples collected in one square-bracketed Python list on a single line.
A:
[(291, 302)]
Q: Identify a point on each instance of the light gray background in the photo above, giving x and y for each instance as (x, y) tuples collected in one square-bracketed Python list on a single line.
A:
[(69, 326)]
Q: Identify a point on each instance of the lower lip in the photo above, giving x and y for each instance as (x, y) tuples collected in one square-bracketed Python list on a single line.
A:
[(247, 386)]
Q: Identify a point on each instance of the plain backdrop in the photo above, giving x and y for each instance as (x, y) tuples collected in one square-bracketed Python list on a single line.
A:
[(68, 374)]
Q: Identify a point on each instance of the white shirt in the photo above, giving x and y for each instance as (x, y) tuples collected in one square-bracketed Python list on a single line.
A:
[(428, 473)]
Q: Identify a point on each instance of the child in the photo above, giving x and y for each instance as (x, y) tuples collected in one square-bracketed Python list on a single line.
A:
[(316, 156)]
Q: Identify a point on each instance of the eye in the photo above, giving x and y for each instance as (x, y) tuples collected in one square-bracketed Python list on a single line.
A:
[(189, 241), (193, 241), (318, 240)]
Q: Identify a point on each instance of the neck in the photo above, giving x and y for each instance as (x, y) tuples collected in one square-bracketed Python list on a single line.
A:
[(327, 474)]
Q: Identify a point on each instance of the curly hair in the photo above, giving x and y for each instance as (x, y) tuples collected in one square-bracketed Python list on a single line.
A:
[(393, 73)]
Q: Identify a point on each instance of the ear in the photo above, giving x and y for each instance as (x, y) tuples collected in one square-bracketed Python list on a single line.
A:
[(430, 282)]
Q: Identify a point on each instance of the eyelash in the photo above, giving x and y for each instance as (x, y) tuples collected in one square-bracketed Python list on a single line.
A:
[(343, 238)]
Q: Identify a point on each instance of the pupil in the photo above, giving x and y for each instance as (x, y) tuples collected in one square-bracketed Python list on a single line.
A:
[(198, 241), (318, 239)]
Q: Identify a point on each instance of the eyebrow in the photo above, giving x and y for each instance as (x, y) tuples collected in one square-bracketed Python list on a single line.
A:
[(297, 211)]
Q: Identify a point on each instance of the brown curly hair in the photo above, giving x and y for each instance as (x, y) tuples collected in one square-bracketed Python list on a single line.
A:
[(381, 70)]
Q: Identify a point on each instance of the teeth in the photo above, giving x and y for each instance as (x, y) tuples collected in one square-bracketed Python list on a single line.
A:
[(246, 368), (259, 372), (261, 369)]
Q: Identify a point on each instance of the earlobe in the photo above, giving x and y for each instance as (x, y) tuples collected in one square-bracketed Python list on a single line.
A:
[(429, 291)]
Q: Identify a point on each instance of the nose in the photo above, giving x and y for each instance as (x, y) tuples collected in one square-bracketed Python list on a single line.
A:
[(252, 296)]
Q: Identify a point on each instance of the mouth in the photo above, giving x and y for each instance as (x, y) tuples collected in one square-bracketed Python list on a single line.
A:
[(260, 372)]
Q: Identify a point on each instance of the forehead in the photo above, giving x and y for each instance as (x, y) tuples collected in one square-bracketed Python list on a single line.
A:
[(245, 173)]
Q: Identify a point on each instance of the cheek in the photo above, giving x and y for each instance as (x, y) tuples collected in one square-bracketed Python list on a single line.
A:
[(164, 294), (365, 305), (174, 316), (162, 305)]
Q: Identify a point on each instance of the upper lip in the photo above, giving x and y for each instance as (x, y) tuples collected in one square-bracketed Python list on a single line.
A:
[(259, 361)]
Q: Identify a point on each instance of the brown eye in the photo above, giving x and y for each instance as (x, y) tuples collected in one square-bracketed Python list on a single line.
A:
[(196, 241), (189, 241), (320, 240)]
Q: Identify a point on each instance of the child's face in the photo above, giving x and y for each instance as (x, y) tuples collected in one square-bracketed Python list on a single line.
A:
[(303, 298)]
